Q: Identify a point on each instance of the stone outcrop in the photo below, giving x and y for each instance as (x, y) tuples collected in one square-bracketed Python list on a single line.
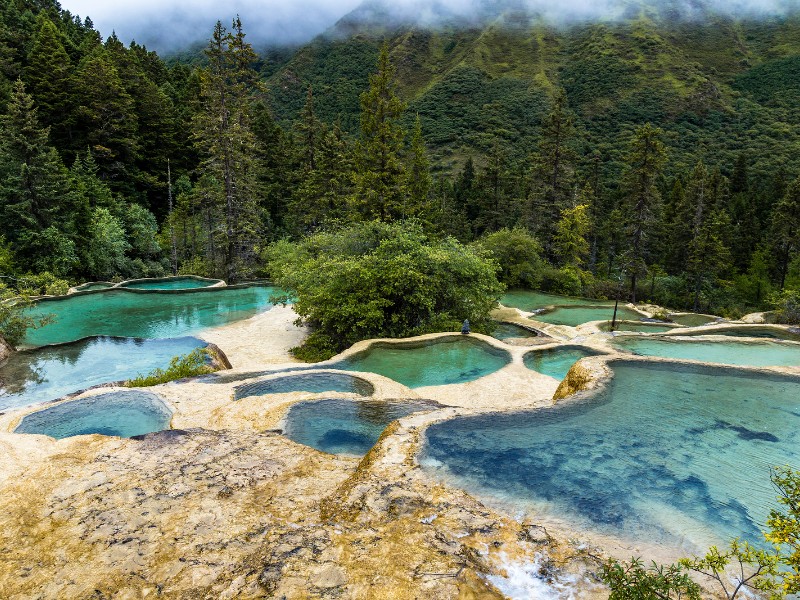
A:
[(6, 349)]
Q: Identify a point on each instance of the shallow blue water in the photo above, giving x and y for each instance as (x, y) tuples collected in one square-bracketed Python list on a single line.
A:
[(578, 315), (556, 362), (173, 283), (308, 382), (675, 454), (151, 314), (729, 352), (346, 426), (439, 362), (507, 331), (123, 414), (529, 301), (51, 372)]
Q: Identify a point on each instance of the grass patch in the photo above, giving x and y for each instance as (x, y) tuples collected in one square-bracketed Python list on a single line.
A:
[(180, 367)]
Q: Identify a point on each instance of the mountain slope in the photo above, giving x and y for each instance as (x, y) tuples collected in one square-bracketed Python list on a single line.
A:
[(717, 84)]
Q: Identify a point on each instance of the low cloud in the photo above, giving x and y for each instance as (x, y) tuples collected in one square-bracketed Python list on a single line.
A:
[(172, 24)]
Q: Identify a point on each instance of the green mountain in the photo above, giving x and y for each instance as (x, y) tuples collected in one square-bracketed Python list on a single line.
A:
[(719, 85)]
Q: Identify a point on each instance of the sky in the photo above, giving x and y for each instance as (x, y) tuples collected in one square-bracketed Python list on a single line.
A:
[(167, 24), (164, 25)]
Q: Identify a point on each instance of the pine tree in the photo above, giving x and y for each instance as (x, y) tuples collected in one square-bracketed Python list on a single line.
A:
[(418, 175), (33, 189), (48, 77), (553, 170), (786, 229), (105, 118), (379, 169), (645, 162), (570, 243), (227, 143)]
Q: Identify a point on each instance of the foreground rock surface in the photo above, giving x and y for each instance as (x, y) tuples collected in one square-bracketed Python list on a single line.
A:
[(202, 514)]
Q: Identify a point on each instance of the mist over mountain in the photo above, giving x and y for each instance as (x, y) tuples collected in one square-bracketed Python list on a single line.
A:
[(177, 24)]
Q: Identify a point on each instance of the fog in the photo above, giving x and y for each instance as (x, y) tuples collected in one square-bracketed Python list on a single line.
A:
[(166, 25)]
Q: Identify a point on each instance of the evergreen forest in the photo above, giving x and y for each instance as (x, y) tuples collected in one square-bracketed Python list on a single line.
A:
[(655, 159)]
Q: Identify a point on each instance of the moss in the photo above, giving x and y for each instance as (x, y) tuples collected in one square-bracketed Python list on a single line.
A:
[(180, 367), (578, 379)]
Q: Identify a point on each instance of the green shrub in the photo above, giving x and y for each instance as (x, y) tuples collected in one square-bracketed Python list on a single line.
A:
[(14, 322), (382, 280), (740, 571), (787, 307), (518, 254), (42, 284), (180, 367)]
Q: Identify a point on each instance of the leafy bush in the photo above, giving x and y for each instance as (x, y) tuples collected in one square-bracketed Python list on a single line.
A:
[(787, 307), (774, 572), (518, 254), (43, 284), (180, 367), (382, 280), (566, 281), (14, 323)]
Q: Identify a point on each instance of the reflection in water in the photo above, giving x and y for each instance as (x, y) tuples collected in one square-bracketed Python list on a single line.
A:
[(51, 372), (153, 314)]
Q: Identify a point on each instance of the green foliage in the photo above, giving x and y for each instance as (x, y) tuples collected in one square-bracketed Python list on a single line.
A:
[(740, 571), (225, 139), (787, 306), (572, 229), (519, 255), (785, 527), (14, 322), (42, 284), (380, 191), (382, 280), (634, 581), (180, 367)]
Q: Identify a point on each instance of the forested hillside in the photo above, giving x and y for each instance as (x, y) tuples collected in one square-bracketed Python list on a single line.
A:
[(662, 149)]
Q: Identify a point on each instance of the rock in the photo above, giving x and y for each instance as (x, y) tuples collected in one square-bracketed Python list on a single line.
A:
[(535, 534), (329, 576), (6, 349)]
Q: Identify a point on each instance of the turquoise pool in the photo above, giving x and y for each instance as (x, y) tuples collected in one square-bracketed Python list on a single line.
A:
[(556, 362), (51, 372), (172, 283), (667, 453), (640, 327), (126, 313), (315, 383), (123, 414), (346, 426), (508, 331), (578, 315), (733, 352), (529, 301), (692, 319), (438, 362), (772, 333)]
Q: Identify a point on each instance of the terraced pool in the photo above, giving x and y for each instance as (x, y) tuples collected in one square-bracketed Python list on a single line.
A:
[(437, 362), (346, 426), (51, 372), (733, 352), (123, 414), (671, 453), (155, 314)]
